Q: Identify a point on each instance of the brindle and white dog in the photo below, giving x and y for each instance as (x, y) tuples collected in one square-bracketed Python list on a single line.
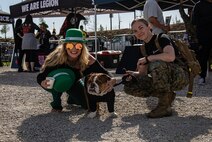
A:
[(100, 89)]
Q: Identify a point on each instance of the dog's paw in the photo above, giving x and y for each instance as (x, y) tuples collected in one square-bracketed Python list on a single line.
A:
[(113, 114), (92, 114)]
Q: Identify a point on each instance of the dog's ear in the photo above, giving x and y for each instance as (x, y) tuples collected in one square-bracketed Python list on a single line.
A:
[(102, 79), (88, 78), (105, 76)]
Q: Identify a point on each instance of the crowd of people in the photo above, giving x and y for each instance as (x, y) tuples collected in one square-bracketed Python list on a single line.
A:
[(159, 72), (27, 35), (32, 40)]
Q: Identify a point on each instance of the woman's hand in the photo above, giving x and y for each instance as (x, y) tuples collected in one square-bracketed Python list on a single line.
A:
[(45, 84)]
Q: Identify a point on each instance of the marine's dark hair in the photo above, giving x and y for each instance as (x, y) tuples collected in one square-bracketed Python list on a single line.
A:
[(140, 20), (28, 19)]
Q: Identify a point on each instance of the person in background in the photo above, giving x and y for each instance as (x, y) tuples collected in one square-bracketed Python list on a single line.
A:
[(159, 73), (29, 43), (72, 54), (85, 34), (190, 35), (154, 15), (202, 20), (44, 36), (54, 36), (54, 39), (18, 43), (72, 20)]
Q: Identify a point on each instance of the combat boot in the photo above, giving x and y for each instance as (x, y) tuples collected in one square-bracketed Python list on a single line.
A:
[(163, 108)]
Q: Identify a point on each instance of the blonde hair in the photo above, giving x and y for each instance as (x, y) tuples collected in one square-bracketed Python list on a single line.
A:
[(60, 56)]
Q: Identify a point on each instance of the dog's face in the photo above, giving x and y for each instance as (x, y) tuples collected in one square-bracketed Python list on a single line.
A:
[(97, 84)]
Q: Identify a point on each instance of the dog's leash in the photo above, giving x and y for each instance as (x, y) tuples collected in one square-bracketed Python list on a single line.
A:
[(124, 79), (121, 82)]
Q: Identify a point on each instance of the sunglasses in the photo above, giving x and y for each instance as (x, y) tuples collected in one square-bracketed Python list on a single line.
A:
[(71, 45)]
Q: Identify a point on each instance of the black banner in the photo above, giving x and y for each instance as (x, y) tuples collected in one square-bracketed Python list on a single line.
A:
[(5, 18), (36, 6)]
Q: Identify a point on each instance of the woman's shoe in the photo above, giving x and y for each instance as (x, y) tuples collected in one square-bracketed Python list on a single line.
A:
[(20, 70)]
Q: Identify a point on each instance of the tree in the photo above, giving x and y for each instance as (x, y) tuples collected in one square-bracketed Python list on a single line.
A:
[(4, 30)]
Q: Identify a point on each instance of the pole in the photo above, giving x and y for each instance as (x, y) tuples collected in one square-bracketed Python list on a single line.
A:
[(119, 21), (111, 24), (95, 23)]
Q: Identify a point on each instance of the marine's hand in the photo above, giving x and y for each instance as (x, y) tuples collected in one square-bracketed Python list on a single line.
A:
[(141, 61), (129, 75)]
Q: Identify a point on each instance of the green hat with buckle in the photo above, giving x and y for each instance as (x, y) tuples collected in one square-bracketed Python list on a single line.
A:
[(64, 79), (74, 35)]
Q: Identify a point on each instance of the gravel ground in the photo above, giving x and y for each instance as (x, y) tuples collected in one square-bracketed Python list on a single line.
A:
[(25, 116)]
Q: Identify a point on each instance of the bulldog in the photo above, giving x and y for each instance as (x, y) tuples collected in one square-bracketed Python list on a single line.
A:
[(99, 87)]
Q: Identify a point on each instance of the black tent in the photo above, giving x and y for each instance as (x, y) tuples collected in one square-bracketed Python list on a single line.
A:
[(57, 8), (54, 8), (43, 8), (131, 5)]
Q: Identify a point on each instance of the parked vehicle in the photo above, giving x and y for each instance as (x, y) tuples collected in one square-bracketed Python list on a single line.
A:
[(6, 51), (102, 43), (119, 42), (108, 58)]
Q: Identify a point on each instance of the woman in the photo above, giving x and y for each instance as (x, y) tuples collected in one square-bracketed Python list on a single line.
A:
[(29, 43), (71, 54), (159, 73), (44, 36), (18, 43)]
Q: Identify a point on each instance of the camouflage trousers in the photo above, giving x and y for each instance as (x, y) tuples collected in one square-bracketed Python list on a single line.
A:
[(162, 77)]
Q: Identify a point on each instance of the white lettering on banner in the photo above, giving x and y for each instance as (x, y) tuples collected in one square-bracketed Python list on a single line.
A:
[(49, 3), (34, 5), (25, 8), (39, 4), (4, 18)]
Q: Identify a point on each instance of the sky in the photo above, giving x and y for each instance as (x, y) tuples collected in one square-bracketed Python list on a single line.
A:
[(103, 19)]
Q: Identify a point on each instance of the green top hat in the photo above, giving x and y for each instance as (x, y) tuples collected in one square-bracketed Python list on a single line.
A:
[(64, 79), (74, 35)]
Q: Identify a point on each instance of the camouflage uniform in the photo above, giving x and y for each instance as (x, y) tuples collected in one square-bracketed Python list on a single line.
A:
[(162, 77), (162, 80)]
